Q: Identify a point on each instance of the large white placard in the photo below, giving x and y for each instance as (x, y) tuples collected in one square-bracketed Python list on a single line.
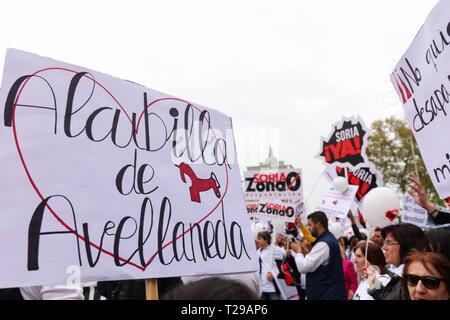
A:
[(113, 180), (422, 81)]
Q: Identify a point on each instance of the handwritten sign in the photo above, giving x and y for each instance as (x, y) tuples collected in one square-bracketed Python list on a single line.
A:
[(422, 81), (346, 144), (412, 212), (113, 179), (337, 204)]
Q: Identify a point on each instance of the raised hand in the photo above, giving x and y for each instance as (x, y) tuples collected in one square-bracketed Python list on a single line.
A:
[(417, 191)]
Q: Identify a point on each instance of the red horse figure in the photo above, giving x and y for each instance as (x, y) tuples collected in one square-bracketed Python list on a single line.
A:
[(198, 184)]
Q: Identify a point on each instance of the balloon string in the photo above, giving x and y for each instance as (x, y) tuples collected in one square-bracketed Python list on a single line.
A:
[(367, 246), (314, 188)]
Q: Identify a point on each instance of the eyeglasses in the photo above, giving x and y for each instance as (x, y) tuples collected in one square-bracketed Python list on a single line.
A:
[(390, 242), (428, 282)]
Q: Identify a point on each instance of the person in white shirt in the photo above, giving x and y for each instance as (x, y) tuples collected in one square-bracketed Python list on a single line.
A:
[(323, 263), (268, 268), (55, 292)]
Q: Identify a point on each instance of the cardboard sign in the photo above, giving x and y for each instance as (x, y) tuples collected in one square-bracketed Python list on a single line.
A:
[(283, 184), (111, 180), (271, 210), (412, 212), (365, 178), (346, 144), (422, 81), (336, 203)]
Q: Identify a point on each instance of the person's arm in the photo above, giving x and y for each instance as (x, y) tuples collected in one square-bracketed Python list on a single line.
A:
[(355, 229), (439, 214), (310, 262), (307, 234)]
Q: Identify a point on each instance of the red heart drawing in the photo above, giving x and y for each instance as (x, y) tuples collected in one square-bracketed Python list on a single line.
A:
[(392, 214), (61, 221)]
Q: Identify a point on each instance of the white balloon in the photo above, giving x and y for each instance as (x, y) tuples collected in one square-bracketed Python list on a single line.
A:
[(379, 205), (336, 229), (340, 184), (259, 227)]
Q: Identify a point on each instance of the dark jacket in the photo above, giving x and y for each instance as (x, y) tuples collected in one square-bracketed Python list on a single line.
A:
[(327, 281), (10, 294), (394, 290), (442, 218)]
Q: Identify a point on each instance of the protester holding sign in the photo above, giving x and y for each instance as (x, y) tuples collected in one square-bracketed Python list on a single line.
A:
[(322, 264)]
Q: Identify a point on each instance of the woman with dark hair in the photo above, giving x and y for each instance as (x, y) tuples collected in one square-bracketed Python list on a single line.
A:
[(376, 261), (427, 276), (439, 240), (213, 288), (400, 240)]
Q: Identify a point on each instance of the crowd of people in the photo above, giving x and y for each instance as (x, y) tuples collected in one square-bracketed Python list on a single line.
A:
[(397, 262)]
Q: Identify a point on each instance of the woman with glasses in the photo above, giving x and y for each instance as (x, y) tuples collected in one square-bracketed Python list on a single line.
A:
[(427, 276), (400, 240)]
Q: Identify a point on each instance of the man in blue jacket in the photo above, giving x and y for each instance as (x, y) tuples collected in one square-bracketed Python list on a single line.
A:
[(322, 264)]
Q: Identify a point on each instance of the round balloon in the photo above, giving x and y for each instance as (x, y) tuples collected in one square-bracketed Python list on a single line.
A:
[(381, 207), (336, 229), (340, 184)]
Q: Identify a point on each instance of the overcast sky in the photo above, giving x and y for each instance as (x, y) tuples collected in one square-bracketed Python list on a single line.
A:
[(285, 71)]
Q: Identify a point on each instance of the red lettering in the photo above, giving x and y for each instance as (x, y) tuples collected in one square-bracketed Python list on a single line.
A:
[(347, 149), (357, 142), (335, 149)]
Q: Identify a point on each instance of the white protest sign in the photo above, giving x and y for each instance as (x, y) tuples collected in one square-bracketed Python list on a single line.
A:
[(336, 203), (113, 178), (282, 184), (271, 210), (412, 212), (422, 81)]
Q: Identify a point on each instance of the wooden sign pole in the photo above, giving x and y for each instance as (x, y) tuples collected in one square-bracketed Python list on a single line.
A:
[(151, 289)]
